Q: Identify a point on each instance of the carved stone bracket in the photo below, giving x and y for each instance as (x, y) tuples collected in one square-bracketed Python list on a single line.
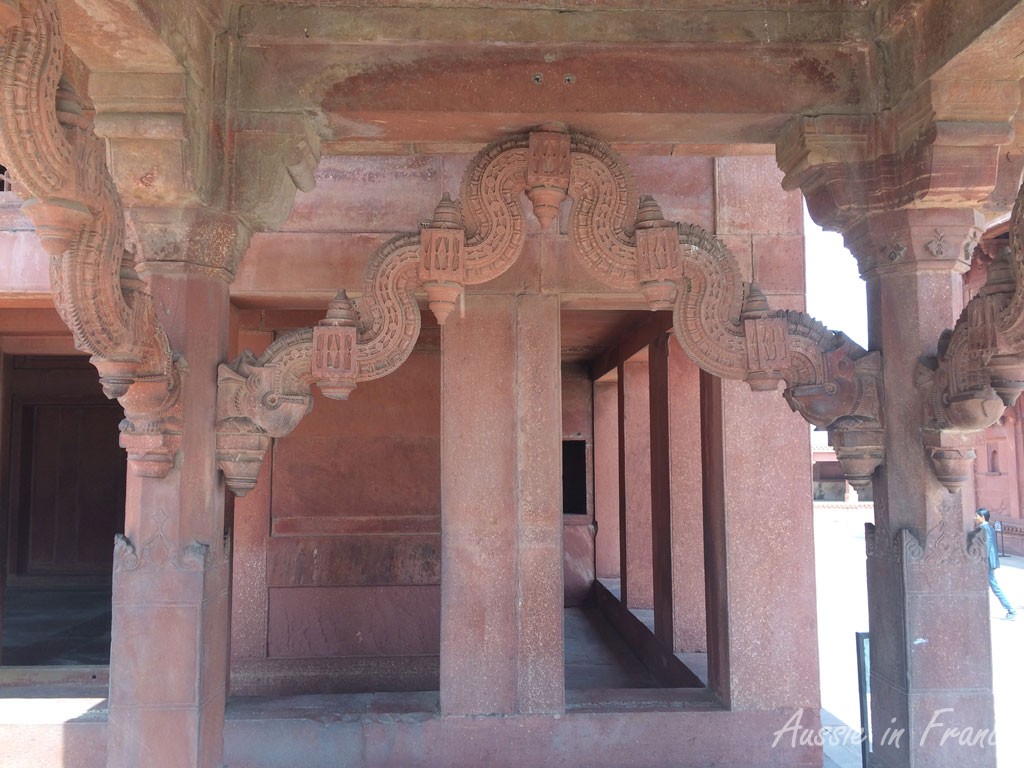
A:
[(903, 186), (266, 397), (979, 369), (725, 325), (274, 155), (939, 146), (259, 399), (48, 143)]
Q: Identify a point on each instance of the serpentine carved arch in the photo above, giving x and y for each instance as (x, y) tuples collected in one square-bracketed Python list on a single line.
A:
[(724, 324), (48, 144)]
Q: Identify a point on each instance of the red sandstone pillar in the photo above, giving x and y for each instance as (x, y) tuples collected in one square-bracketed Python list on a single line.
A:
[(677, 505), (501, 522), (928, 605), (250, 536), (1017, 487), (759, 544), (169, 634), (762, 611), (606, 477), (635, 482)]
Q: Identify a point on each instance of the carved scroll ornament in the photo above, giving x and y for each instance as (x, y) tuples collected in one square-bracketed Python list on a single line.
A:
[(48, 143), (463, 244), (979, 369), (724, 324)]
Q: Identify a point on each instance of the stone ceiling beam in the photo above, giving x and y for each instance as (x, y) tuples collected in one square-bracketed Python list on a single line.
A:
[(115, 35), (918, 38), (445, 92), (306, 23)]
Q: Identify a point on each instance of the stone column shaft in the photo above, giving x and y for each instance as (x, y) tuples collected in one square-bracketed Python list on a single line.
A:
[(606, 479), (169, 634), (762, 610), (635, 483), (677, 505), (927, 598), (501, 526)]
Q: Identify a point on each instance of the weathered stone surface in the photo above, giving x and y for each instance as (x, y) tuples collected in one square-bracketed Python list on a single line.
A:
[(747, 200), (311, 622), (767, 581)]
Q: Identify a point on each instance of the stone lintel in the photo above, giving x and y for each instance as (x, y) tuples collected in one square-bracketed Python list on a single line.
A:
[(114, 35)]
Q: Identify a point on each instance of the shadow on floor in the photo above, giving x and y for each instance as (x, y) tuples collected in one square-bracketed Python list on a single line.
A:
[(56, 626)]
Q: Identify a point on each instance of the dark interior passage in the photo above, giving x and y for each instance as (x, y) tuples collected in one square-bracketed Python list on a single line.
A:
[(64, 482), (56, 626)]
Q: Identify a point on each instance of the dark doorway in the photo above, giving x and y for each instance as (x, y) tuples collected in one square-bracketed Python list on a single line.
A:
[(65, 501), (574, 477)]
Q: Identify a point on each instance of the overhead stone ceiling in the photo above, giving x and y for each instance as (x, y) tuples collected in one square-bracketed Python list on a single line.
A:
[(434, 76), (666, 73)]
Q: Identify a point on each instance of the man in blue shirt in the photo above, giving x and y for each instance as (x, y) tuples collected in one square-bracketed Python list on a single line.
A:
[(981, 518)]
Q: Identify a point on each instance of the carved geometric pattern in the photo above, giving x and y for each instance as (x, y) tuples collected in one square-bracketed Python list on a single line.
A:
[(159, 552), (605, 203), (389, 317), (880, 543), (491, 209), (945, 547)]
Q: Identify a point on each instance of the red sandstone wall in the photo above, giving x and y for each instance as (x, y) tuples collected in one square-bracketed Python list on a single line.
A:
[(353, 558)]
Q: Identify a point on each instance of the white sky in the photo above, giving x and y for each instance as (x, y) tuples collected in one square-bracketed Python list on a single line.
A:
[(835, 291)]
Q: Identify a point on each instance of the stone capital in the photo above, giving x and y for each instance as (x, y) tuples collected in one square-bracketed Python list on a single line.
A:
[(191, 240), (915, 240), (940, 147), (145, 119)]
